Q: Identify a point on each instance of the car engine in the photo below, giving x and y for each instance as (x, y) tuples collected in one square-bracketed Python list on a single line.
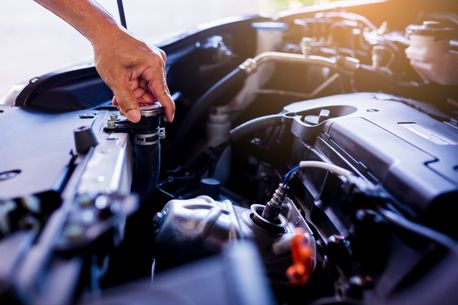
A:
[(313, 160)]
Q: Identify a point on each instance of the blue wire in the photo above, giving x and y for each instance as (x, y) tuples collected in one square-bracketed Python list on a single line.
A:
[(289, 174)]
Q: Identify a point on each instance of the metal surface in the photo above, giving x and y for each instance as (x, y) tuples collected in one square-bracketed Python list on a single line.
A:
[(149, 138), (201, 223), (109, 168), (370, 131), (38, 144), (151, 110)]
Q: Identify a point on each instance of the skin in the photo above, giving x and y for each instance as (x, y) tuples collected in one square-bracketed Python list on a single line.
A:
[(132, 69)]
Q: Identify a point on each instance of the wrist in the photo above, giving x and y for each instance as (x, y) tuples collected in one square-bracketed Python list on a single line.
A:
[(104, 32)]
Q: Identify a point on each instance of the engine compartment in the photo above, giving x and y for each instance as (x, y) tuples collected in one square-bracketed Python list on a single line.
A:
[(313, 160)]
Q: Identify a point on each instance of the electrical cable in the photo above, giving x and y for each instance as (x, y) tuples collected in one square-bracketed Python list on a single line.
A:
[(337, 170), (340, 171), (160, 189), (288, 175), (390, 216), (273, 206)]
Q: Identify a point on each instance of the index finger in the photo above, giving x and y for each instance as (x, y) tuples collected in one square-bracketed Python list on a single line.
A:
[(158, 86), (169, 106), (126, 100)]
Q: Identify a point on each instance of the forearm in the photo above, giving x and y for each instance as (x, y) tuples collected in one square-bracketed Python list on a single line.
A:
[(86, 16), (134, 71)]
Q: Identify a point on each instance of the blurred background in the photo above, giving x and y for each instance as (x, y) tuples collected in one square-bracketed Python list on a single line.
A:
[(33, 41)]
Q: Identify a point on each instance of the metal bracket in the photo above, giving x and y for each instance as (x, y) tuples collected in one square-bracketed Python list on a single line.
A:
[(151, 117), (161, 133)]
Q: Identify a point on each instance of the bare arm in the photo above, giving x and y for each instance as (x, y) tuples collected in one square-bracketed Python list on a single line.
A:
[(132, 69)]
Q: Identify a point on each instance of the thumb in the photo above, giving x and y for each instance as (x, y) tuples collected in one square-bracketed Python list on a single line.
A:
[(126, 101)]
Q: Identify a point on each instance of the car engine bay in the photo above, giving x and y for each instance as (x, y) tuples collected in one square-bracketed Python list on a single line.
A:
[(313, 160)]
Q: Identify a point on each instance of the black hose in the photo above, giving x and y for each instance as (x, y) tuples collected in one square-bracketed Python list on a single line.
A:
[(247, 128), (207, 100), (147, 168), (255, 124), (243, 130), (419, 229)]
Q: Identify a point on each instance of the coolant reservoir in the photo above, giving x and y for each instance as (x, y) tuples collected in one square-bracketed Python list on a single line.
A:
[(430, 53)]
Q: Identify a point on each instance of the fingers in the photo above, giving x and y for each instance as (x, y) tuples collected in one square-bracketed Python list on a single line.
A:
[(169, 105), (157, 85), (126, 100), (163, 55), (134, 84), (143, 96), (148, 98), (139, 92), (143, 83), (144, 100), (114, 102)]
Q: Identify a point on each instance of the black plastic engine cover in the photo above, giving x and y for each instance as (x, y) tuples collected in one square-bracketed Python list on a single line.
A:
[(412, 155)]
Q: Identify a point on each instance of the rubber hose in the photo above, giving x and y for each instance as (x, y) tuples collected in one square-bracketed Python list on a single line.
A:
[(147, 169), (421, 230), (207, 100), (255, 124)]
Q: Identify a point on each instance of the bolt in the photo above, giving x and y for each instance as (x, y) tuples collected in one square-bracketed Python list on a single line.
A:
[(113, 117), (111, 124), (162, 134), (104, 206), (102, 202)]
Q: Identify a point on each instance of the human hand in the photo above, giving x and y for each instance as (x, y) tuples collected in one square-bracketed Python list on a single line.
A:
[(135, 72)]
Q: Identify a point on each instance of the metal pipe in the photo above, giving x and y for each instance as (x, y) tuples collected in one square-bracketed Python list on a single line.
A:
[(343, 65)]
